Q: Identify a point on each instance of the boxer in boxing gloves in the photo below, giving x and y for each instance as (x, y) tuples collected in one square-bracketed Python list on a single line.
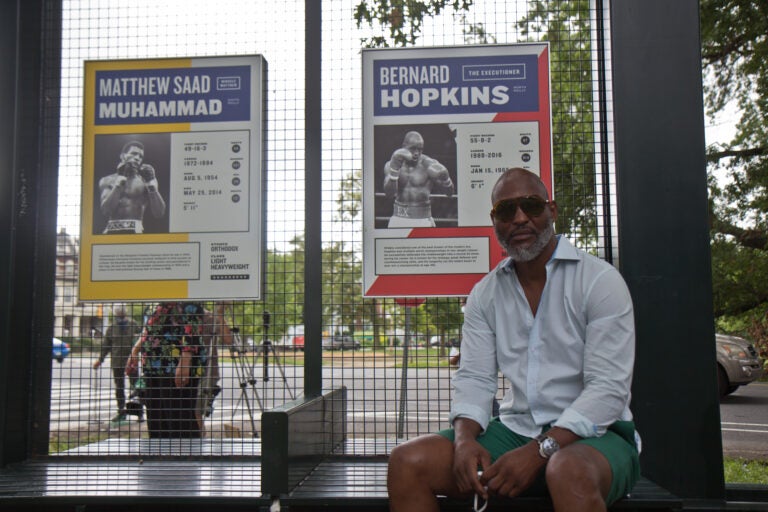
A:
[(126, 194), (410, 177)]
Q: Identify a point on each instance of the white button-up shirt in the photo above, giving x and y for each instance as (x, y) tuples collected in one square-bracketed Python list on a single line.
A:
[(569, 366)]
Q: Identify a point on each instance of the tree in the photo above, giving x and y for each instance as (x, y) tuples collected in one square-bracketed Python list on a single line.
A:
[(402, 19), (342, 283), (734, 36), (735, 61), (567, 27), (446, 315), (284, 291), (342, 295)]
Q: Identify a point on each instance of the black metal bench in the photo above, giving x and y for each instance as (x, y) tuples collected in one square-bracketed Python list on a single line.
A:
[(359, 483), (306, 465), (303, 462), (147, 485)]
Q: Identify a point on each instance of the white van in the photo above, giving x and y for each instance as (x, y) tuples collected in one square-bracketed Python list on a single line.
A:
[(293, 338)]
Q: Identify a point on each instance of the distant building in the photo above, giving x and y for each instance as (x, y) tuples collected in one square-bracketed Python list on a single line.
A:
[(73, 318)]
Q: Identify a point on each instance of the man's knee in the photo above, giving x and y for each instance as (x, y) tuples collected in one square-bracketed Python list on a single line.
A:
[(411, 455), (579, 470), (420, 467), (419, 457)]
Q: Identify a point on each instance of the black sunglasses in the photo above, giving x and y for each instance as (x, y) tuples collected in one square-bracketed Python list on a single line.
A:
[(505, 210)]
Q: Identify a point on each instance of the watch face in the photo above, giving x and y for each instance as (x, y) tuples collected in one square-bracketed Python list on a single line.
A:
[(548, 447)]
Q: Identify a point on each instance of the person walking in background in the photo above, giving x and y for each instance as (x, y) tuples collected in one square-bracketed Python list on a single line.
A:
[(117, 343), (173, 358), (202, 331)]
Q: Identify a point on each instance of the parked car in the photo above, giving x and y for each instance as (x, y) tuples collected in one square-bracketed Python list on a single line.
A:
[(434, 341), (340, 342), (60, 350), (737, 363), (292, 340)]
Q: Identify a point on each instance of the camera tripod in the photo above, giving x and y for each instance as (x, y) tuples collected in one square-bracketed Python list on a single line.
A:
[(245, 370)]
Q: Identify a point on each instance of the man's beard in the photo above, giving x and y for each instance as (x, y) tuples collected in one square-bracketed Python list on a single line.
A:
[(525, 254)]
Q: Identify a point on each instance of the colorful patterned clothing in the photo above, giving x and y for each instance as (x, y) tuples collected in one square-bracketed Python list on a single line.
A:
[(173, 328)]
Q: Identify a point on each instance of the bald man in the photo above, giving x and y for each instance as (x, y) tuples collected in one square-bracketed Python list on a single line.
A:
[(410, 178), (558, 323)]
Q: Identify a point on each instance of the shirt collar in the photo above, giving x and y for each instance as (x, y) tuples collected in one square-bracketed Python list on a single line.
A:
[(563, 251)]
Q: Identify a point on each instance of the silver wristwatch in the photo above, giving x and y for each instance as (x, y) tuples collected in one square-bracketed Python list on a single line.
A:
[(547, 445)]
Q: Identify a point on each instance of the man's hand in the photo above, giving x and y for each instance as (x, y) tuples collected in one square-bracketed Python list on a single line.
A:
[(182, 370), (221, 307), (440, 175), (515, 471), (96, 364), (468, 456), (125, 168), (132, 365), (120, 181), (147, 173), (399, 157), (438, 172)]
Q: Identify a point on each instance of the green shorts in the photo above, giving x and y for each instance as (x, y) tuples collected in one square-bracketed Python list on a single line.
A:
[(617, 445)]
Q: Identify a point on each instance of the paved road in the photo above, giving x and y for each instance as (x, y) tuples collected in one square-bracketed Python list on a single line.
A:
[(82, 399), (744, 420)]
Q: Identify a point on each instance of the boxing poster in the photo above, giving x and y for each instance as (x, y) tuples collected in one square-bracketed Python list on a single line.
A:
[(173, 179), (439, 127)]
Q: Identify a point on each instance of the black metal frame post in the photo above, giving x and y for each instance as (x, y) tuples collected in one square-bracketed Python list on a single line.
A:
[(313, 261), (603, 126), (30, 51), (664, 241)]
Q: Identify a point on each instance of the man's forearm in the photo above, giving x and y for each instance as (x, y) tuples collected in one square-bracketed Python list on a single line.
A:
[(156, 203), (109, 200), (221, 329), (390, 181), (106, 348), (466, 429)]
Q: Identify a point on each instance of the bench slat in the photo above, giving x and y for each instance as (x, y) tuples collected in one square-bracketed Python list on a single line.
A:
[(347, 484)]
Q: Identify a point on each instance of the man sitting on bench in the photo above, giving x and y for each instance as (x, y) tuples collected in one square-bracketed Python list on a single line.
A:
[(558, 323)]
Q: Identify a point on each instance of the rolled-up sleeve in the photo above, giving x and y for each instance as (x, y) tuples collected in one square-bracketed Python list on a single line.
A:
[(609, 355), (475, 381)]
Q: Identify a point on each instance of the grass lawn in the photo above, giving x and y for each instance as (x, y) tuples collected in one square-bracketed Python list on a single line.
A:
[(741, 471), (391, 357)]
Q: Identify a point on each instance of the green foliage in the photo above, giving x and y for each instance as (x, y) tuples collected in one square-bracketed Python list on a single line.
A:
[(745, 471), (63, 440), (735, 60), (445, 314), (734, 36), (566, 26), (739, 277), (401, 19), (349, 203)]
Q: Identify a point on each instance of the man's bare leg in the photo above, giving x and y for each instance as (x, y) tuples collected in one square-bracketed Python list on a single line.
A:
[(418, 470), (579, 479)]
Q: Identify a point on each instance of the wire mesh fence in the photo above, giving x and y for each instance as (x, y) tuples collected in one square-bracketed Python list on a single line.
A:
[(394, 360)]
